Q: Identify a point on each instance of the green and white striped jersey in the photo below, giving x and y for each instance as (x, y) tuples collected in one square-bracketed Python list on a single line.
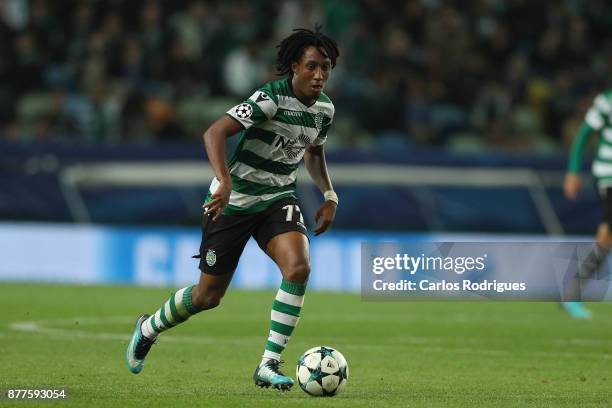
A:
[(277, 130), (599, 118)]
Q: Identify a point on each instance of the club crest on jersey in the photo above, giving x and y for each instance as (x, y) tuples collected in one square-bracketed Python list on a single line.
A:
[(319, 121), (211, 257), (244, 111)]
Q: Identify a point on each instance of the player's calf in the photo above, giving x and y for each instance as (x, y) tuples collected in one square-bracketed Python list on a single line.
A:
[(176, 310)]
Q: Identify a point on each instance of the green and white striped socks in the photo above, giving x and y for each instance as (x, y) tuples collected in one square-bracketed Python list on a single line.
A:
[(284, 317), (176, 310)]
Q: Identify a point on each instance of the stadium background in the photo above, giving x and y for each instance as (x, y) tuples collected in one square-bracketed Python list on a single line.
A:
[(455, 116), (453, 121)]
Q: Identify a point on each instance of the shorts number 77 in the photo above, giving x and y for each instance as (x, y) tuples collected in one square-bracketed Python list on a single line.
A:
[(290, 209)]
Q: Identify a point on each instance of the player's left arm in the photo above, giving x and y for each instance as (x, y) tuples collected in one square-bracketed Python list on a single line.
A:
[(314, 159)]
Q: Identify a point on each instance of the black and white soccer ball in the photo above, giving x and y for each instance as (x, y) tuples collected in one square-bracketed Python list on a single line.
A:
[(322, 371)]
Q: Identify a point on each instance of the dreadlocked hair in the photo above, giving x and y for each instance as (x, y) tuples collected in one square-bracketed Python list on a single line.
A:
[(291, 48)]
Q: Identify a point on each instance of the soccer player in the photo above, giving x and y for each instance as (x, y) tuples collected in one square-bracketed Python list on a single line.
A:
[(254, 195), (598, 119)]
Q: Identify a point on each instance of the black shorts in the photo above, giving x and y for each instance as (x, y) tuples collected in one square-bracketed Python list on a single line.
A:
[(606, 203), (223, 240)]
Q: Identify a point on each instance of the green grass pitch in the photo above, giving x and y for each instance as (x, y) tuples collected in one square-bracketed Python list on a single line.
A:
[(405, 354)]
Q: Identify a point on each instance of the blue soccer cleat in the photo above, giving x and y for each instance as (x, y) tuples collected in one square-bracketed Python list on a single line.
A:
[(138, 347), (576, 310), (270, 375)]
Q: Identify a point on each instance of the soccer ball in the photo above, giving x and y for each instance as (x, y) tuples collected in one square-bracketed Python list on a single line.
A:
[(322, 371)]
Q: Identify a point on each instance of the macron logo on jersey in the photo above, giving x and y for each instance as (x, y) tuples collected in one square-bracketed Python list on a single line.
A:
[(262, 97), (265, 103), (292, 113)]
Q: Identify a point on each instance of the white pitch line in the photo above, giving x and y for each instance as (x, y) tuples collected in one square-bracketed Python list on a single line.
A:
[(69, 334), (444, 344), (41, 326)]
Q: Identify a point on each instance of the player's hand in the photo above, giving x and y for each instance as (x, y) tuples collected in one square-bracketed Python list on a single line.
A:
[(220, 199), (571, 185), (326, 213)]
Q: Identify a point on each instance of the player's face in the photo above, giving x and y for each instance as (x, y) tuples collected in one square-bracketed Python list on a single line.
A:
[(310, 74)]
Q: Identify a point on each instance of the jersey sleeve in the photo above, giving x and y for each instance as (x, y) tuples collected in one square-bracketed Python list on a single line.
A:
[(258, 108), (595, 116)]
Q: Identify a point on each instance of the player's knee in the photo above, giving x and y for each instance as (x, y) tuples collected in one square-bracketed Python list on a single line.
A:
[(297, 273), (208, 300)]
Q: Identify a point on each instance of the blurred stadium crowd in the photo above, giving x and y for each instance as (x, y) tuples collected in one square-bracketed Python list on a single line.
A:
[(468, 75)]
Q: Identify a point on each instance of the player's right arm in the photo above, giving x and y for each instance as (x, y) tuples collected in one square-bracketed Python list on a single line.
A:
[(593, 121), (215, 144), (258, 108)]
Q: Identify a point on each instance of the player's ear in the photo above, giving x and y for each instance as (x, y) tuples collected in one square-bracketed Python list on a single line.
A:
[(294, 66)]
